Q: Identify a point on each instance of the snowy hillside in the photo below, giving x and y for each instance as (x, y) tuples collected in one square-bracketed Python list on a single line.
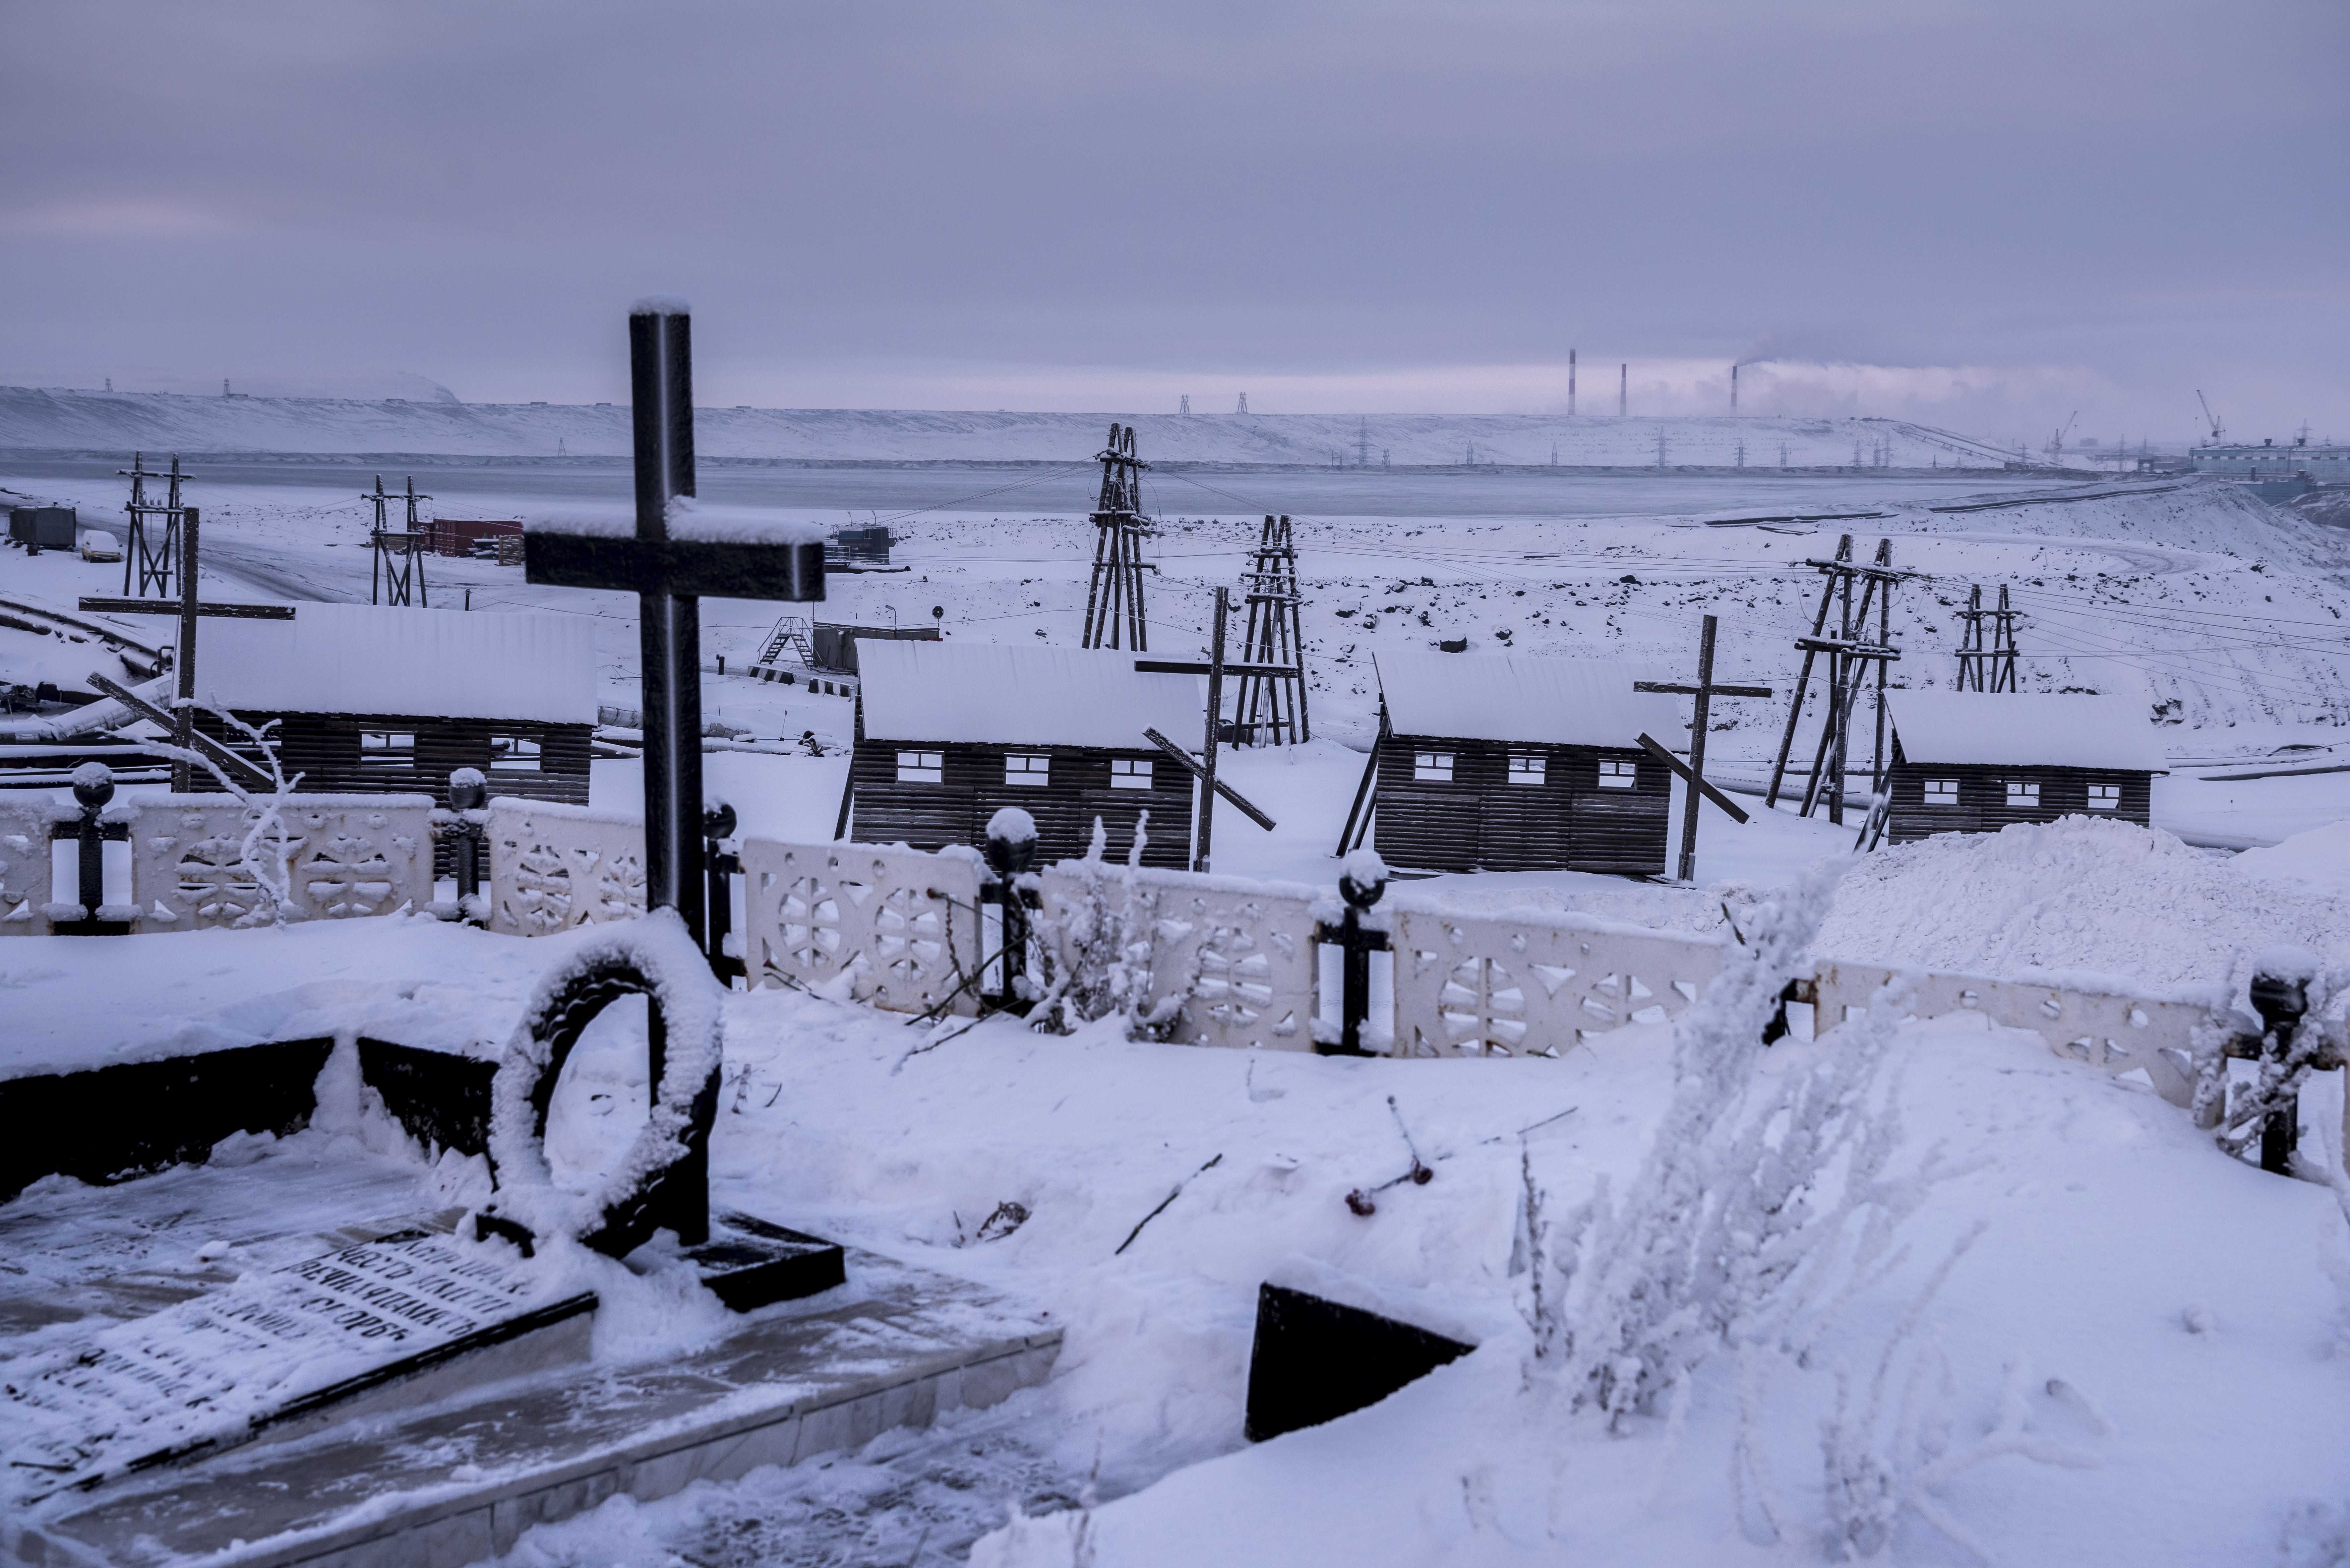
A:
[(47, 419)]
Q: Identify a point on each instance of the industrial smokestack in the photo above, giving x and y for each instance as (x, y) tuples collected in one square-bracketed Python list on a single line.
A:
[(1623, 389), (1570, 383), (1734, 389)]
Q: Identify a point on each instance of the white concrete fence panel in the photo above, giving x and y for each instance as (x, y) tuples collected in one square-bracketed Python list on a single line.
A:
[(1531, 983), (25, 891), (346, 855), (2119, 1033), (554, 868), (1238, 954), (902, 925)]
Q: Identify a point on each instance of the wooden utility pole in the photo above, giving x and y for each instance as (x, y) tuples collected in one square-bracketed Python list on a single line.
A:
[(1113, 597), (1988, 665), (190, 610), (1215, 726), (1849, 655), (1705, 691), (1271, 709), (144, 560)]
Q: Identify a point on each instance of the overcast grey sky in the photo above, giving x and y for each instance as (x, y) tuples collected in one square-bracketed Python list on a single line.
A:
[(1984, 214)]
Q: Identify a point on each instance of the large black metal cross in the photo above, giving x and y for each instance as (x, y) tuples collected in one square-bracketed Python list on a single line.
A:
[(670, 578), (1705, 691)]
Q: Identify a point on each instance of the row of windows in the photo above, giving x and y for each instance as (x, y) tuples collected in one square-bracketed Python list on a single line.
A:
[(396, 749), (2023, 794), (1020, 768), (1436, 767)]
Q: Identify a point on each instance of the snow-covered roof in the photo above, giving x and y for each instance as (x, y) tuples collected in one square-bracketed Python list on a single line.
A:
[(2022, 730), (1526, 697), (366, 659), (998, 694)]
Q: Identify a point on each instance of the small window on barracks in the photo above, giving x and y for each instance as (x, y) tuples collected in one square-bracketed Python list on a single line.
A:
[(1528, 770), (2023, 794), (514, 755), (1618, 774), (921, 767), (1941, 792), (2105, 797), (1022, 768), (1432, 767), (1129, 772)]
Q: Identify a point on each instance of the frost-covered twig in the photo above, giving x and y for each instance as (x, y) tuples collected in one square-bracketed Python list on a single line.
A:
[(266, 815)]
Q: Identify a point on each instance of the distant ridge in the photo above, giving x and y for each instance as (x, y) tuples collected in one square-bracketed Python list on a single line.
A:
[(45, 417)]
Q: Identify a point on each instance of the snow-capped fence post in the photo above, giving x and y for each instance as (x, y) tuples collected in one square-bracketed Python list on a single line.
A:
[(462, 826), (1361, 884), (721, 865), (1010, 848), (2288, 1048), (93, 787)]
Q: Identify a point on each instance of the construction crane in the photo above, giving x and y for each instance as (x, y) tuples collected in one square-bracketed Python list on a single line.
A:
[(2219, 430), (2056, 442)]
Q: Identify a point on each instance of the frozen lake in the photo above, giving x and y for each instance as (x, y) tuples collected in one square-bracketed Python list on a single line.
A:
[(1025, 489)]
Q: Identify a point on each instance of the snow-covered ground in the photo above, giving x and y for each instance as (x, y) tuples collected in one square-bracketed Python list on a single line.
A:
[(2139, 1352)]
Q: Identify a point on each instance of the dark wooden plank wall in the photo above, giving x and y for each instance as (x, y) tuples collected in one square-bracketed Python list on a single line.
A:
[(930, 817), (1480, 820), (324, 749), (1982, 798)]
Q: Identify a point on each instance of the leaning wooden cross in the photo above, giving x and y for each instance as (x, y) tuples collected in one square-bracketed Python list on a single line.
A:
[(670, 577), (1692, 773), (190, 610)]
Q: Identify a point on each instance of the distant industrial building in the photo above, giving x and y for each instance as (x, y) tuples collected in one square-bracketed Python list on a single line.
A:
[(2280, 472)]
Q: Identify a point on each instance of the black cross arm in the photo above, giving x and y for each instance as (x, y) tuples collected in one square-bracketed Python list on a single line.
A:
[(1199, 771), (174, 607), (1849, 649), (1737, 814), (693, 568), (203, 743), (1179, 666), (1700, 690)]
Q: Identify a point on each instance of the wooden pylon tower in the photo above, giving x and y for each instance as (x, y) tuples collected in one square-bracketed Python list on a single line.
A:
[(1850, 653), (1988, 665), (147, 559), (398, 574), (1114, 598), (1269, 710)]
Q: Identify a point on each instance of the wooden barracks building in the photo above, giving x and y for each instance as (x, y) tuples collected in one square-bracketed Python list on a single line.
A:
[(1519, 762), (947, 733), (1974, 762)]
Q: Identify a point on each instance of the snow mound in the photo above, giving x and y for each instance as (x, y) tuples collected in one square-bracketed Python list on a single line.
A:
[(2319, 858), (2077, 894)]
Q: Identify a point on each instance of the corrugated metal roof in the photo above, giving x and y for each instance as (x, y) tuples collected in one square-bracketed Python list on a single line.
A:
[(370, 659), (993, 693), (2026, 729), (1527, 697)]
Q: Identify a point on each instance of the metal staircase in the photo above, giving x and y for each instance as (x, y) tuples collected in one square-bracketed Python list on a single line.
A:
[(791, 632)]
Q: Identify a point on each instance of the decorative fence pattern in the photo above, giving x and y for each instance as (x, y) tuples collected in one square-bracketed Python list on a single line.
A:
[(24, 882), (554, 868), (902, 925), (1240, 956), (346, 857), (1533, 983), (2119, 1033)]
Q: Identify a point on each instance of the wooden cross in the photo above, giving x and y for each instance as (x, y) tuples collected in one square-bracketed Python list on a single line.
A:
[(1705, 691), (190, 610), (1216, 669), (670, 577)]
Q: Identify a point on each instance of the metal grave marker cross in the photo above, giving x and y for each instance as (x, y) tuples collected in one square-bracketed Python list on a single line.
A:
[(670, 577), (1692, 773)]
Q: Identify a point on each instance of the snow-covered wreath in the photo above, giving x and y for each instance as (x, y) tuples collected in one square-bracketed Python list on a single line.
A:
[(656, 958)]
